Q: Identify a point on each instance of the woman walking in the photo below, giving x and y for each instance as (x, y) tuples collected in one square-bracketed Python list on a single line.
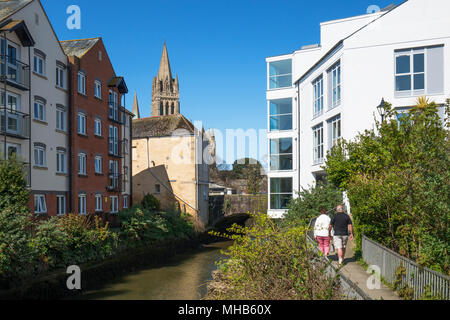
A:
[(321, 232)]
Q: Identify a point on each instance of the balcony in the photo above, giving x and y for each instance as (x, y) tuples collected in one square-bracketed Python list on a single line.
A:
[(115, 183), (14, 72), (115, 112), (115, 148), (26, 169), (14, 123)]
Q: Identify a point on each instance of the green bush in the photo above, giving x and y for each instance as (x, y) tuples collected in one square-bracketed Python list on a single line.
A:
[(309, 203), (398, 182), (269, 263), (13, 191), (151, 203)]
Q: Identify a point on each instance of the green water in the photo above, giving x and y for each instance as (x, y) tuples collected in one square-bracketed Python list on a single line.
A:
[(183, 277)]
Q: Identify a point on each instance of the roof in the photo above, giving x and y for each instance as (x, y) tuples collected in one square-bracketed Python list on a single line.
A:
[(9, 7), (161, 126), (78, 47), (119, 83), (21, 30)]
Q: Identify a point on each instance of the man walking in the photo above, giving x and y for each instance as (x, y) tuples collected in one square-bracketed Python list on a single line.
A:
[(342, 225)]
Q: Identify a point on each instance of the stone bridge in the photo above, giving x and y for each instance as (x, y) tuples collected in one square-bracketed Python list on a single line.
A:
[(225, 210)]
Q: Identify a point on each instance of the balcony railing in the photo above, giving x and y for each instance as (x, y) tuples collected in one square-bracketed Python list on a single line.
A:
[(14, 72), (115, 147), (14, 123), (115, 183), (116, 112)]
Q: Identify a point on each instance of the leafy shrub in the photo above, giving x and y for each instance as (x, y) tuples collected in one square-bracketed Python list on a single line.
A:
[(151, 203), (310, 202), (13, 192), (269, 263)]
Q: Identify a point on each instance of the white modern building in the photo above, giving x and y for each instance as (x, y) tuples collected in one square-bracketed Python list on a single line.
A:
[(322, 93)]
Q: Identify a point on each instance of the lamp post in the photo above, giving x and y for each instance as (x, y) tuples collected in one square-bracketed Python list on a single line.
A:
[(382, 110)]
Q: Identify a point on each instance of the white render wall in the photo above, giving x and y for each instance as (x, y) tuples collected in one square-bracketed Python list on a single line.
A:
[(367, 74), (46, 41)]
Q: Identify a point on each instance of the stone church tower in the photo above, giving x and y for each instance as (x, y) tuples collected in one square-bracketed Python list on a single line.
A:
[(166, 90)]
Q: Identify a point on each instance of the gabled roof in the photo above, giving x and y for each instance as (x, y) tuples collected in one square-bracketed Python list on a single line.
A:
[(21, 30), (78, 47), (163, 126), (9, 7)]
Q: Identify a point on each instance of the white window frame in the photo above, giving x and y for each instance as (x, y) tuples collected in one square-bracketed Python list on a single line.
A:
[(279, 193), (114, 140), (98, 203), (39, 65), (40, 160), (114, 204), (411, 53), (60, 77), (40, 105), (336, 79), (61, 162), (61, 205), (82, 204), (98, 127), (82, 163), (81, 123), (60, 119), (335, 130), (40, 204), (98, 164), (318, 144), (98, 89), (318, 96), (278, 155), (113, 105), (125, 201), (81, 80)]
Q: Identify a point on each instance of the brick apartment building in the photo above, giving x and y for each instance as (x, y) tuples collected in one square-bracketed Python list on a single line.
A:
[(99, 131)]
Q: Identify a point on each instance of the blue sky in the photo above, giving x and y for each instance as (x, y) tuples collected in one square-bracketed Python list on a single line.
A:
[(217, 48)]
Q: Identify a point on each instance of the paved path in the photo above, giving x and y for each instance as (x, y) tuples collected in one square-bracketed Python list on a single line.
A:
[(356, 273)]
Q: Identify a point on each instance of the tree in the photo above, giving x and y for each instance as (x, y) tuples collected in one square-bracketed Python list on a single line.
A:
[(13, 187), (398, 182)]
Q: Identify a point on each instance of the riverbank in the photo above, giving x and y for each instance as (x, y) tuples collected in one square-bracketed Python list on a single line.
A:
[(53, 286)]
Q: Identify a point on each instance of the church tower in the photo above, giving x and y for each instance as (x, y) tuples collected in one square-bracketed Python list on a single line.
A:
[(165, 91)]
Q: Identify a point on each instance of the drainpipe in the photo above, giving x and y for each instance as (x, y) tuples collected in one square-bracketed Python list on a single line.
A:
[(69, 128), (298, 134)]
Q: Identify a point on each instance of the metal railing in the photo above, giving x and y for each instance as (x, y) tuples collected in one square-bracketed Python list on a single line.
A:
[(417, 277), (14, 123), (14, 72), (116, 112)]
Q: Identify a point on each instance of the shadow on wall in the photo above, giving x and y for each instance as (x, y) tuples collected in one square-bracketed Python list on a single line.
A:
[(155, 181)]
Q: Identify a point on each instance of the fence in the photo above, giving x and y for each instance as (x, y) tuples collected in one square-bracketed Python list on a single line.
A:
[(417, 277)]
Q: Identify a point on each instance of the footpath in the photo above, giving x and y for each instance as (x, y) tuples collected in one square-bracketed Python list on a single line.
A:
[(359, 276)]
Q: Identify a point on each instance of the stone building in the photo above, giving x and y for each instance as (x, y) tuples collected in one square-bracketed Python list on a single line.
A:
[(168, 152)]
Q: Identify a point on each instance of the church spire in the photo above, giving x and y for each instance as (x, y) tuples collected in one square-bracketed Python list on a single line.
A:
[(164, 67), (137, 114)]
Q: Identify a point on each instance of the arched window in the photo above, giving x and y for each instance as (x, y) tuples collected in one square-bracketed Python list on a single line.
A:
[(173, 108), (161, 109), (167, 108)]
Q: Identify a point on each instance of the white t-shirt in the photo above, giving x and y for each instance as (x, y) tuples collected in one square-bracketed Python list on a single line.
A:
[(322, 226)]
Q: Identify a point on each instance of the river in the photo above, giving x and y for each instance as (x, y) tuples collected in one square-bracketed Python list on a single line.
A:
[(183, 277)]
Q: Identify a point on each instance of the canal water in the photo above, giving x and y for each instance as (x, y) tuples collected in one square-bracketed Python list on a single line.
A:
[(183, 277)]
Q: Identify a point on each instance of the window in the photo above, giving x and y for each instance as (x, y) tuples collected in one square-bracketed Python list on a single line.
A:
[(61, 205), (318, 96), (98, 127), (113, 140), (81, 82), (39, 64), (82, 204), (280, 193), (281, 154), (334, 86), (98, 164), (60, 119), (61, 161), (40, 205), (113, 106), (334, 131), (280, 74), (60, 76), (113, 174), (12, 150), (114, 204), (10, 106), (39, 110), (281, 115), (125, 202), (9, 64), (318, 144), (81, 123), (98, 89), (82, 163), (419, 71), (157, 188), (40, 156), (98, 203), (161, 109)]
